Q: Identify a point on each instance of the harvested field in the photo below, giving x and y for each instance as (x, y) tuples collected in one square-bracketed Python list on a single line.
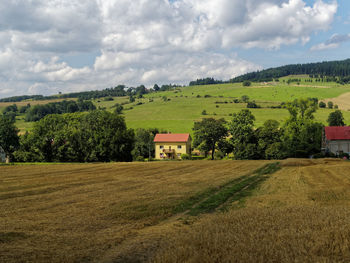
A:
[(300, 214), (295, 211), (101, 212)]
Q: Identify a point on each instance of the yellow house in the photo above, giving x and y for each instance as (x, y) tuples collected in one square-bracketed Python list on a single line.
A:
[(172, 145)]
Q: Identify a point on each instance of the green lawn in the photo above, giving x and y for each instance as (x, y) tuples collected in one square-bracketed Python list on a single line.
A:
[(185, 105)]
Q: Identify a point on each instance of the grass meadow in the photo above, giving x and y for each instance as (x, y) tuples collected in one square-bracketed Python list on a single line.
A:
[(190, 211), (184, 105)]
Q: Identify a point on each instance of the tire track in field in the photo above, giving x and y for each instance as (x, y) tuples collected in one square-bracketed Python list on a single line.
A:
[(148, 240)]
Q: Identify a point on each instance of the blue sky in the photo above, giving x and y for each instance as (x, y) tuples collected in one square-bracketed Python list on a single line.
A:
[(50, 46)]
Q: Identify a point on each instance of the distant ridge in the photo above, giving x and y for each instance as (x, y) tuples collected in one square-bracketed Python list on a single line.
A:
[(340, 69)]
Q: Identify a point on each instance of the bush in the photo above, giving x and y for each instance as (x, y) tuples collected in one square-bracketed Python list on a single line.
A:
[(252, 105), (185, 156), (108, 99), (204, 112), (245, 98), (330, 105), (246, 83), (139, 159), (322, 104), (219, 155)]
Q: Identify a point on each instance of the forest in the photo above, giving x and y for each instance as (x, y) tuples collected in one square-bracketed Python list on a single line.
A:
[(340, 69)]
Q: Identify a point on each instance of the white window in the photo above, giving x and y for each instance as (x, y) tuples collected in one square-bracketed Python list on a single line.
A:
[(179, 147)]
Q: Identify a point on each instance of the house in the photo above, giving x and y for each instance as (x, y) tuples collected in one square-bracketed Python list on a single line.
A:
[(336, 139), (2, 155), (172, 145)]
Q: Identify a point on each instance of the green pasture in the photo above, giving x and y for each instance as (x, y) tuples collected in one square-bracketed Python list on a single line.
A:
[(184, 105)]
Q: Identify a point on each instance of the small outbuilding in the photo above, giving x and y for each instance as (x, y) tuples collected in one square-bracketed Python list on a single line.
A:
[(336, 139), (172, 145)]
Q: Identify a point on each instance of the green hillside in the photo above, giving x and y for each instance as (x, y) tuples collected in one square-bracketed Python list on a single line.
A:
[(176, 110)]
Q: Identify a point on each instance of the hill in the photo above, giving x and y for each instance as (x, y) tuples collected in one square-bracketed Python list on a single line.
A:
[(192, 211), (176, 109), (339, 69)]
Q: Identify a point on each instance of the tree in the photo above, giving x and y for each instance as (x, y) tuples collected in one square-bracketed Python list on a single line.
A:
[(246, 83), (322, 104), (156, 87), (252, 105), (9, 139), (118, 108), (336, 118), (144, 145), (243, 138), (330, 104), (207, 133), (269, 140), (78, 137), (302, 136)]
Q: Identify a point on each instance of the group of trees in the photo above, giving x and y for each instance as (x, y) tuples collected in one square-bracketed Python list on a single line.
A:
[(118, 91), (205, 81), (77, 137), (38, 112), (299, 136), (340, 69)]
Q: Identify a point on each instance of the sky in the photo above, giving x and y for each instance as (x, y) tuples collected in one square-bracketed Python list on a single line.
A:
[(52, 46)]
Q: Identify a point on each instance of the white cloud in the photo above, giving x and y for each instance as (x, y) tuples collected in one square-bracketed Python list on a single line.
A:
[(331, 43), (143, 41)]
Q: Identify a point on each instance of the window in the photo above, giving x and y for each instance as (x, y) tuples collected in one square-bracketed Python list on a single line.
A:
[(179, 155), (179, 147), (161, 147)]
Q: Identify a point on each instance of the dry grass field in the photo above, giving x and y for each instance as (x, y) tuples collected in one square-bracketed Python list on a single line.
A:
[(300, 214), (171, 212), (102, 212)]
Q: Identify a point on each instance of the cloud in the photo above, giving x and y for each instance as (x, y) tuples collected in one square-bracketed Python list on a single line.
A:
[(143, 41), (331, 43)]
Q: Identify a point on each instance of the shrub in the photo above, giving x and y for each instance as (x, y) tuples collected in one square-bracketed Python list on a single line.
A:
[(204, 112), (245, 98), (108, 99), (246, 83), (139, 159), (322, 104), (252, 105), (219, 155), (185, 156), (330, 105)]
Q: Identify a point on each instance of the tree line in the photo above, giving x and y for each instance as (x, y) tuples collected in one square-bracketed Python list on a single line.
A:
[(103, 136), (299, 136), (37, 112), (339, 69), (118, 91)]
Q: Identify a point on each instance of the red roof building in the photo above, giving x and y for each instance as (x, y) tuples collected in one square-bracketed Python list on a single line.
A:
[(172, 137), (172, 145), (336, 139)]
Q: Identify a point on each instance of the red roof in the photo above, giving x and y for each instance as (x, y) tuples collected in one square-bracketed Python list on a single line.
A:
[(337, 133), (172, 137)]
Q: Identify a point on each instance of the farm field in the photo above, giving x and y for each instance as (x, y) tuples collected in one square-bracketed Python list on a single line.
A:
[(184, 105), (171, 212), (86, 212)]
